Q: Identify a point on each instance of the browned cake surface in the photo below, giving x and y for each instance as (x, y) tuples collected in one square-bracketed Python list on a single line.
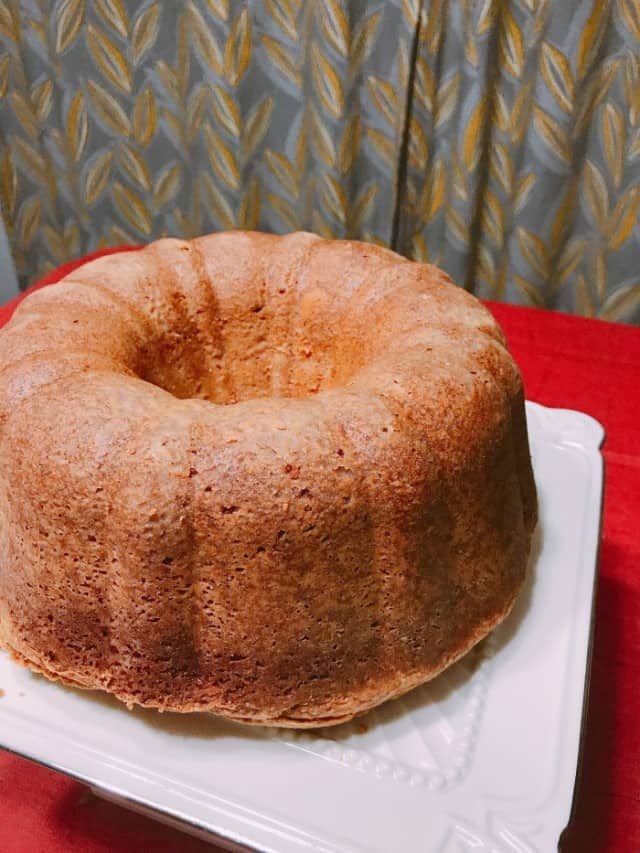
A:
[(278, 478)]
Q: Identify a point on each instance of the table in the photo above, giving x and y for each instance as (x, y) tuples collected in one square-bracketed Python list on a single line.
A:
[(568, 362)]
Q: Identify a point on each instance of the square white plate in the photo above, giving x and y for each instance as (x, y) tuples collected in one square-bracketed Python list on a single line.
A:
[(484, 758)]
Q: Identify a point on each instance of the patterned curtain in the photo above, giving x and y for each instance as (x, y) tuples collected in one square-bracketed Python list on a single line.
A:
[(497, 138)]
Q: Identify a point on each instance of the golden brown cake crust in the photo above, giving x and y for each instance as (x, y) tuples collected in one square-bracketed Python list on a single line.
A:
[(278, 478)]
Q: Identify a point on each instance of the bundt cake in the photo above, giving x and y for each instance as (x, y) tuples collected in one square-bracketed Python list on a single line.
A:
[(281, 479)]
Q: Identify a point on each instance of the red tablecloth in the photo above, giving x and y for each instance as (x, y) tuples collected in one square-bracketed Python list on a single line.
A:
[(567, 362)]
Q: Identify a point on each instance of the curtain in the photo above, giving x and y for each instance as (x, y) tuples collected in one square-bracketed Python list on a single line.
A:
[(500, 140)]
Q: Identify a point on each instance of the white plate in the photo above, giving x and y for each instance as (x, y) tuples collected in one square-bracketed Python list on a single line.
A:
[(484, 758)]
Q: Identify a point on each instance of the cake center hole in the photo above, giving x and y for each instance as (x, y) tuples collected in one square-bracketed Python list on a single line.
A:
[(256, 362)]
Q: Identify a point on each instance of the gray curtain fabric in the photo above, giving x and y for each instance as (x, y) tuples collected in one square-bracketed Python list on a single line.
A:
[(531, 188), (500, 140), (8, 278)]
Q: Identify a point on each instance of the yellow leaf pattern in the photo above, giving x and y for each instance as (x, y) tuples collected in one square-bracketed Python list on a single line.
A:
[(334, 20), (583, 297), (327, 83), (196, 110), (114, 13), (525, 186), (534, 252), (501, 117), (435, 192), (222, 158), (96, 175), (502, 167), (472, 139), (613, 141), (109, 59), (238, 49), (283, 171), (446, 99), (622, 303), (249, 214), (145, 32), (596, 89), (322, 140), (107, 110), (335, 200), (558, 76), (361, 208), (220, 8), (632, 87), (4, 75), (591, 36), (29, 219), (625, 218), (283, 13), (145, 117), (24, 112), (166, 185), (630, 15), (68, 16), (134, 166), (492, 219), (552, 134), (77, 125), (563, 215), (225, 110), (282, 60), (569, 259), (204, 40), (381, 143), (218, 202), (511, 44), (350, 144), (30, 159), (600, 268), (595, 196), (363, 40), (132, 208), (8, 182), (257, 124), (384, 98), (433, 25), (284, 211), (42, 97), (498, 139), (528, 290)]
